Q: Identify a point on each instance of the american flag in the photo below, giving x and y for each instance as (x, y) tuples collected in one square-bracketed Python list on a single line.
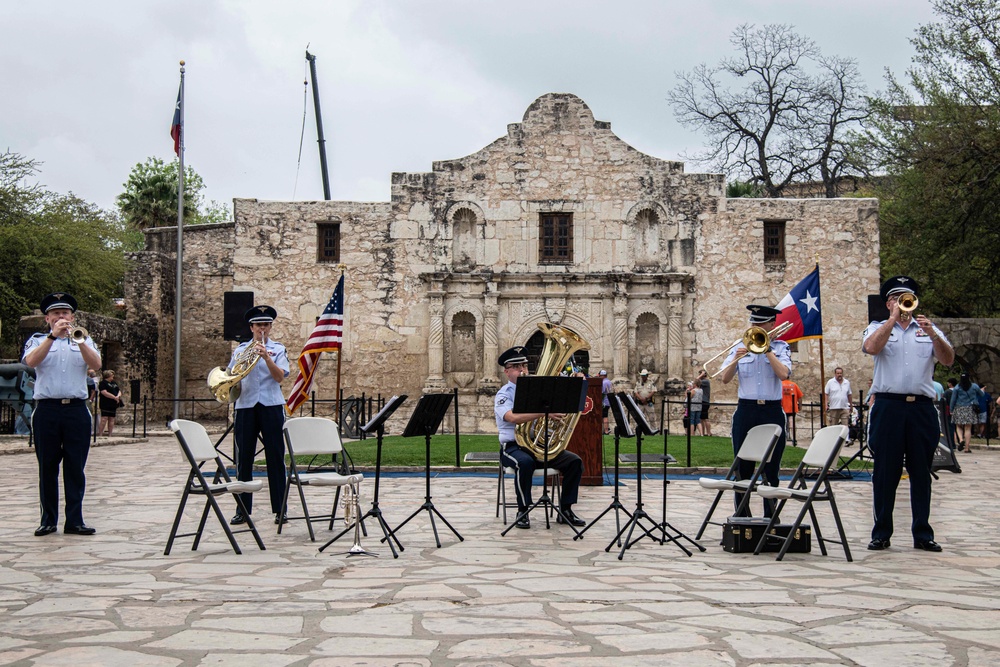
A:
[(328, 335)]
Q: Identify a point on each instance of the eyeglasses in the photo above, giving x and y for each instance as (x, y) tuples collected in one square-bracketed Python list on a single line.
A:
[(509, 366)]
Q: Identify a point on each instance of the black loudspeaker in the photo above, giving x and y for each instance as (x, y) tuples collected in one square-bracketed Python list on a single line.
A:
[(235, 304), (876, 308), (134, 392)]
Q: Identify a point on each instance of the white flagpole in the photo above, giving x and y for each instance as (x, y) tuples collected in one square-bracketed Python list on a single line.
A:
[(180, 257)]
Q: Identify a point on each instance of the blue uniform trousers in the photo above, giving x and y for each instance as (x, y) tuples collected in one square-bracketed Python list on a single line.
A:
[(267, 421), (898, 432), (524, 464), (62, 436), (749, 414)]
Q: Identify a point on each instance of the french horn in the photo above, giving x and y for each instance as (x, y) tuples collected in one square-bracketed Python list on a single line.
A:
[(225, 384)]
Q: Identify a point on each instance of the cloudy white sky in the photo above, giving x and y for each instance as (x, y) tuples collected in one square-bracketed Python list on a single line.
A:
[(90, 86)]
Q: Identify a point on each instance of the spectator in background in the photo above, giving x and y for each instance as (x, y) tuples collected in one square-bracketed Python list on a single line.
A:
[(985, 400), (606, 390), (706, 390), (791, 400), (109, 401), (837, 399), (965, 411), (694, 389)]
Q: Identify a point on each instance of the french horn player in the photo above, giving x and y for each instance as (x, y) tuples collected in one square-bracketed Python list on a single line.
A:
[(260, 410), (524, 462)]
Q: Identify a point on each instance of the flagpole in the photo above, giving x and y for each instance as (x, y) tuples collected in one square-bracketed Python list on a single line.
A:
[(340, 352), (178, 285), (822, 384)]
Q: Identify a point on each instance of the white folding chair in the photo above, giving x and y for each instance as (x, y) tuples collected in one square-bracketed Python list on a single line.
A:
[(316, 437), (548, 476), (758, 446), (199, 449), (818, 459)]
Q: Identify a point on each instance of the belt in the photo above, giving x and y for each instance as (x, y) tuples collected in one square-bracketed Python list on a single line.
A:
[(61, 401), (758, 401), (909, 398), (504, 444)]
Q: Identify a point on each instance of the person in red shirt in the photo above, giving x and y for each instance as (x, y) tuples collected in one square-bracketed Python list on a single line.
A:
[(791, 397)]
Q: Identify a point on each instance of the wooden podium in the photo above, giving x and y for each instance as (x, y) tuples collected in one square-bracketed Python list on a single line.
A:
[(588, 436)]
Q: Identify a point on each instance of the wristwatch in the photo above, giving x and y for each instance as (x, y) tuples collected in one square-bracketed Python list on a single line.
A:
[(52, 337)]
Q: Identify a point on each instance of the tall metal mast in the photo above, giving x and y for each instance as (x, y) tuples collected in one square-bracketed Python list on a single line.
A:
[(319, 127)]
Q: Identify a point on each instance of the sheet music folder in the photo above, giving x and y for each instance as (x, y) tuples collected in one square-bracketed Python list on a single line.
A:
[(427, 416), (551, 394), (382, 415)]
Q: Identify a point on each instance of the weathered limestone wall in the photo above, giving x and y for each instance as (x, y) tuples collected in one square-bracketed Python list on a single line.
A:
[(840, 234), (149, 302)]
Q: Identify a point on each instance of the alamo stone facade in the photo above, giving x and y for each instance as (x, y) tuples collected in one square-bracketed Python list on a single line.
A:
[(557, 220)]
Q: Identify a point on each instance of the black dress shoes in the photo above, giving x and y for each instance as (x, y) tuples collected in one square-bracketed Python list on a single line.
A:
[(571, 518), (929, 545), (79, 530), (44, 530), (237, 519), (280, 517), (523, 521), (878, 545)]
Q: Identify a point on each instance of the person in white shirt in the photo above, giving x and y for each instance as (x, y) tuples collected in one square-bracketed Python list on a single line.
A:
[(837, 399)]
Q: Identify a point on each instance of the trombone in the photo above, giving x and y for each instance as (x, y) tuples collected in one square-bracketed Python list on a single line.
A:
[(755, 339)]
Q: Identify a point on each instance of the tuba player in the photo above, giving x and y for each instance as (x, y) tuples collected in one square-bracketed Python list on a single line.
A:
[(260, 410), (512, 455)]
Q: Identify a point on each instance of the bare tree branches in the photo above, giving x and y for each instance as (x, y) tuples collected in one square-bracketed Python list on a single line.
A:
[(785, 124)]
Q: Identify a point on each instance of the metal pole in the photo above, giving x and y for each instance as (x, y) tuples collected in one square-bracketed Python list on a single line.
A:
[(319, 127), (178, 283)]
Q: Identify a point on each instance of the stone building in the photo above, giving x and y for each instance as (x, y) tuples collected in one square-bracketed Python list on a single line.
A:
[(558, 220)]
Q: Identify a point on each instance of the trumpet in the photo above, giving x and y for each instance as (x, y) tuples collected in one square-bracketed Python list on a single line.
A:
[(78, 335), (755, 339), (907, 302)]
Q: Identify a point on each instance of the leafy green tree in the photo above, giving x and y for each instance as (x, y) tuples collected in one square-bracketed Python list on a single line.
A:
[(936, 134), (150, 197), (51, 242), (778, 112)]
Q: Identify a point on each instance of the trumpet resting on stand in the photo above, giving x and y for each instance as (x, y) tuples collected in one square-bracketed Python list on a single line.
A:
[(755, 339)]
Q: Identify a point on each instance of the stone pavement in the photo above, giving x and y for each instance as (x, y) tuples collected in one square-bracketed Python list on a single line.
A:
[(531, 598)]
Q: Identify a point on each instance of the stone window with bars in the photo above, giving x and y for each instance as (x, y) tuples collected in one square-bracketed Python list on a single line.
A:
[(555, 238)]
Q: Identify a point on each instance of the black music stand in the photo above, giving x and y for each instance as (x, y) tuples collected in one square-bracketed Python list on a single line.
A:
[(667, 531), (377, 424), (424, 421), (548, 394), (622, 430)]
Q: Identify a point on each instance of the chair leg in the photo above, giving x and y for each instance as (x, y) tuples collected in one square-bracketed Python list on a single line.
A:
[(177, 519), (711, 511), (816, 530), (201, 523), (807, 506), (840, 529), (767, 529), (222, 520), (333, 510), (288, 487), (305, 512), (251, 526)]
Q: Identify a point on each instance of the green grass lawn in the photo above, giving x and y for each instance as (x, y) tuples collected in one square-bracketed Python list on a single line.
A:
[(714, 452)]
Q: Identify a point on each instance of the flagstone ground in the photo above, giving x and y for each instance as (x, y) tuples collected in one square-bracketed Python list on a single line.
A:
[(530, 598)]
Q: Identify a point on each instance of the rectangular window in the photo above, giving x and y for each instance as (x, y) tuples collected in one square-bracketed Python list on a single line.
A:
[(328, 242), (774, 241), (555, 238)]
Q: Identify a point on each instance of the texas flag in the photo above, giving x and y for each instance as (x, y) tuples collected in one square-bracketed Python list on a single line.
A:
[(801, 307)]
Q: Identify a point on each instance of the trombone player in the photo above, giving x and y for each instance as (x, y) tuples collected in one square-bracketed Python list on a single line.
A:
[(260, 410), (760, 376)]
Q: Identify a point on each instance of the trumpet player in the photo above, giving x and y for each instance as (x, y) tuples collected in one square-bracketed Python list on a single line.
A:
[(260, 411), (61, 420), (903, 422), (760, 377)]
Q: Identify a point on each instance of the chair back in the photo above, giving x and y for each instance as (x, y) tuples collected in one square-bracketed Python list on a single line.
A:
[(825, 445), (759, 443), (308, 436), (194, 437)]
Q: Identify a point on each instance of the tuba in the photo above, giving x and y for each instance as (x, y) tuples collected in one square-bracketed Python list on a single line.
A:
[(225, 384), (560, 344)]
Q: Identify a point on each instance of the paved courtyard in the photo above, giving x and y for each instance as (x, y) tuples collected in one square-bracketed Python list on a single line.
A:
[(531, 598)]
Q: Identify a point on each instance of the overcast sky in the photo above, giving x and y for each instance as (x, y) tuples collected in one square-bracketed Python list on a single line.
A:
[(90, 86)]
